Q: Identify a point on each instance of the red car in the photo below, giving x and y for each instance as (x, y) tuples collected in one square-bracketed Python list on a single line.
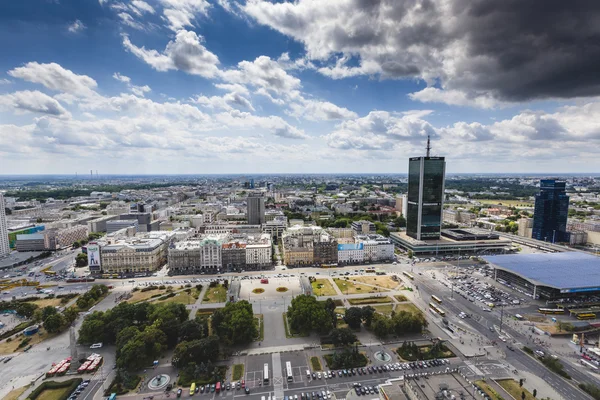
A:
[(264, 280), (243, 384)]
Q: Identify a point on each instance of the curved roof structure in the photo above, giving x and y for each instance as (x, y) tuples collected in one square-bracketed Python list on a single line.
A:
[(569, 270)]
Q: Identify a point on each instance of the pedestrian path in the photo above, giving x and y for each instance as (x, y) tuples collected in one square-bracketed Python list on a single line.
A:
[(275, 349)]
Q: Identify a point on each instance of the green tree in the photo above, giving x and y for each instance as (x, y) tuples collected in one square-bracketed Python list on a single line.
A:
[(367, 315), (24, 309), (124, 336), (410, 254), (54, 323), (342, 337), (353, 317), (235, 323), (81, 260), (206, 349), (190, 330), (400, 222), (380, 325), (47, 312), (330, 308), (70, 315), (93, 329), (305, 314)]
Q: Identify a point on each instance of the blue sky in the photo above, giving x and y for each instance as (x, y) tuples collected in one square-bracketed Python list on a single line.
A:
[(226, 86)]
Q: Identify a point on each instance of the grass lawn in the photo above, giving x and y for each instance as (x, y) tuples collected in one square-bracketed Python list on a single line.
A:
[(315, 363), (382, 281), (11, 347), (181, 297), (55, 394), (350, 287), (14, 394), (258, 320), (512, 387), (141, 296), (369, 300), (385, 309), (424, 354), (47, 302), (400, 297), (323, 287), (340, 310), (238, 372), (511, 203), (410, 307), (217, 294), (490, 392)]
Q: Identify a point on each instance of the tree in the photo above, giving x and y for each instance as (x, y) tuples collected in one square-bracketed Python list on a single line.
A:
[(81, 260), (523, 395), (330, 308), (306, 314), (70, 315), (380, 325), (47, 312), (125, 336), (206, 349), (353, 317), (367, 315), (410, 254), (342, 337), (190, 330), (400, 222), (54, 323), (235, 323), (534, 392), (521, 382)]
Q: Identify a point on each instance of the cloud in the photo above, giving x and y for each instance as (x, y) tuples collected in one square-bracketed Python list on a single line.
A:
[(276, 125), (454, 98), (55, 77), (315, 110), (137, 90), (509, 50), (263, 73), (5, 81), (180, 14), (76, 26), (33, 101), (127, 19), (142, 7), (185, 53), (236, 98)]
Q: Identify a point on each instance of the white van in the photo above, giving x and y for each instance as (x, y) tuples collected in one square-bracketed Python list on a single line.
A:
[(308, 374)]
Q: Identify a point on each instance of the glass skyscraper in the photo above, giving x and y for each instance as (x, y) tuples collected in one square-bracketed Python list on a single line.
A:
[(551, 212), (426, 177)]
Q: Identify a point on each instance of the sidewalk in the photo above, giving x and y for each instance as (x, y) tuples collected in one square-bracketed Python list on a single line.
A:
[(198, 303)]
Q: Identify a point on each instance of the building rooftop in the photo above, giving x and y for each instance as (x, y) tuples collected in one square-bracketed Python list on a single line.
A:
[(569, 270)]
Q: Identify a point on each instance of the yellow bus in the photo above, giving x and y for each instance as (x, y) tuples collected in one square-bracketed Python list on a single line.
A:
[(586, 316), (193, 389), (542, 310), (50, 272), (437, 310), (408, 275), (436, 299)]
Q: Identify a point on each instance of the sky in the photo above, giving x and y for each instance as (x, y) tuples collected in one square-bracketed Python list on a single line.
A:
[(305, 86)]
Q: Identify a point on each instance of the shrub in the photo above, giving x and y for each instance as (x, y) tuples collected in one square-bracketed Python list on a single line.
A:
[(152, 287), (24, 343), (71, 384), (590, 389), (527, 350)]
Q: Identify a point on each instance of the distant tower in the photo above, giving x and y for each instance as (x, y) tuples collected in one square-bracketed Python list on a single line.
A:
[(426, 178), (256, 209), (551, 212), (4, 245), (91, 174)]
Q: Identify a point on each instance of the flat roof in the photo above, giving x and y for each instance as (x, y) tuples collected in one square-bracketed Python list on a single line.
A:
[(569, 270)]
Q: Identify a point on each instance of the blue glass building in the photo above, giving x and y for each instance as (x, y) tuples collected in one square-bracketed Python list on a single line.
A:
[(551, 212)]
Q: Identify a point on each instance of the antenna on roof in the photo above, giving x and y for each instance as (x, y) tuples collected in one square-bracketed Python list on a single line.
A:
[(428, 146)]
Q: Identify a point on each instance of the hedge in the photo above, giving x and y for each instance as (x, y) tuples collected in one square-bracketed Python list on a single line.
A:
[(71, 383), (17, 329)]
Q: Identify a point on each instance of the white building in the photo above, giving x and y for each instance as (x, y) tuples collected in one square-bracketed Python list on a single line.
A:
[(197, 255), (351, 253), (4, 247), (258, 251), (377, 248)]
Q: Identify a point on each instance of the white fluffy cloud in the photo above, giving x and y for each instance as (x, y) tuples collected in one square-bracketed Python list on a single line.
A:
[(137, 90), (55, 77), (76, 26), (185, 53), (181, 14), (454, 98), (33, 101)]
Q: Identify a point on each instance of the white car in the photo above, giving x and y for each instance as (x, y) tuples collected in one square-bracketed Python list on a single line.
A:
[(318, 375), (96, 346)]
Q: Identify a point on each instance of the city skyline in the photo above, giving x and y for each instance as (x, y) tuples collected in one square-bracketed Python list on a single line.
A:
[(224, 87)]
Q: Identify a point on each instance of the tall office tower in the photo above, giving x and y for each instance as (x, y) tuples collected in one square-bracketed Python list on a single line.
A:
[(4, 247), (551, 212), (256, 209), (426, 176)]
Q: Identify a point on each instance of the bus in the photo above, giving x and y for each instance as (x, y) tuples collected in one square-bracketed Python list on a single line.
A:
[(586, 316), (218, 387), (551, 310), (50, 272), (437, 310), (112, 396), (193, 388), (266, 374), (588, 364), (408, 275), (288, 370), (436, 299)]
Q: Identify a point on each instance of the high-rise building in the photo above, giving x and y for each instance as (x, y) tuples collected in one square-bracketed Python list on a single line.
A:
[(426, 176), (256, 209), (550, 212), (4, 247)]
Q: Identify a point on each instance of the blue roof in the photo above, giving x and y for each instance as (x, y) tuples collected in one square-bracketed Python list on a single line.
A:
[(351, 246), (570, 270)]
